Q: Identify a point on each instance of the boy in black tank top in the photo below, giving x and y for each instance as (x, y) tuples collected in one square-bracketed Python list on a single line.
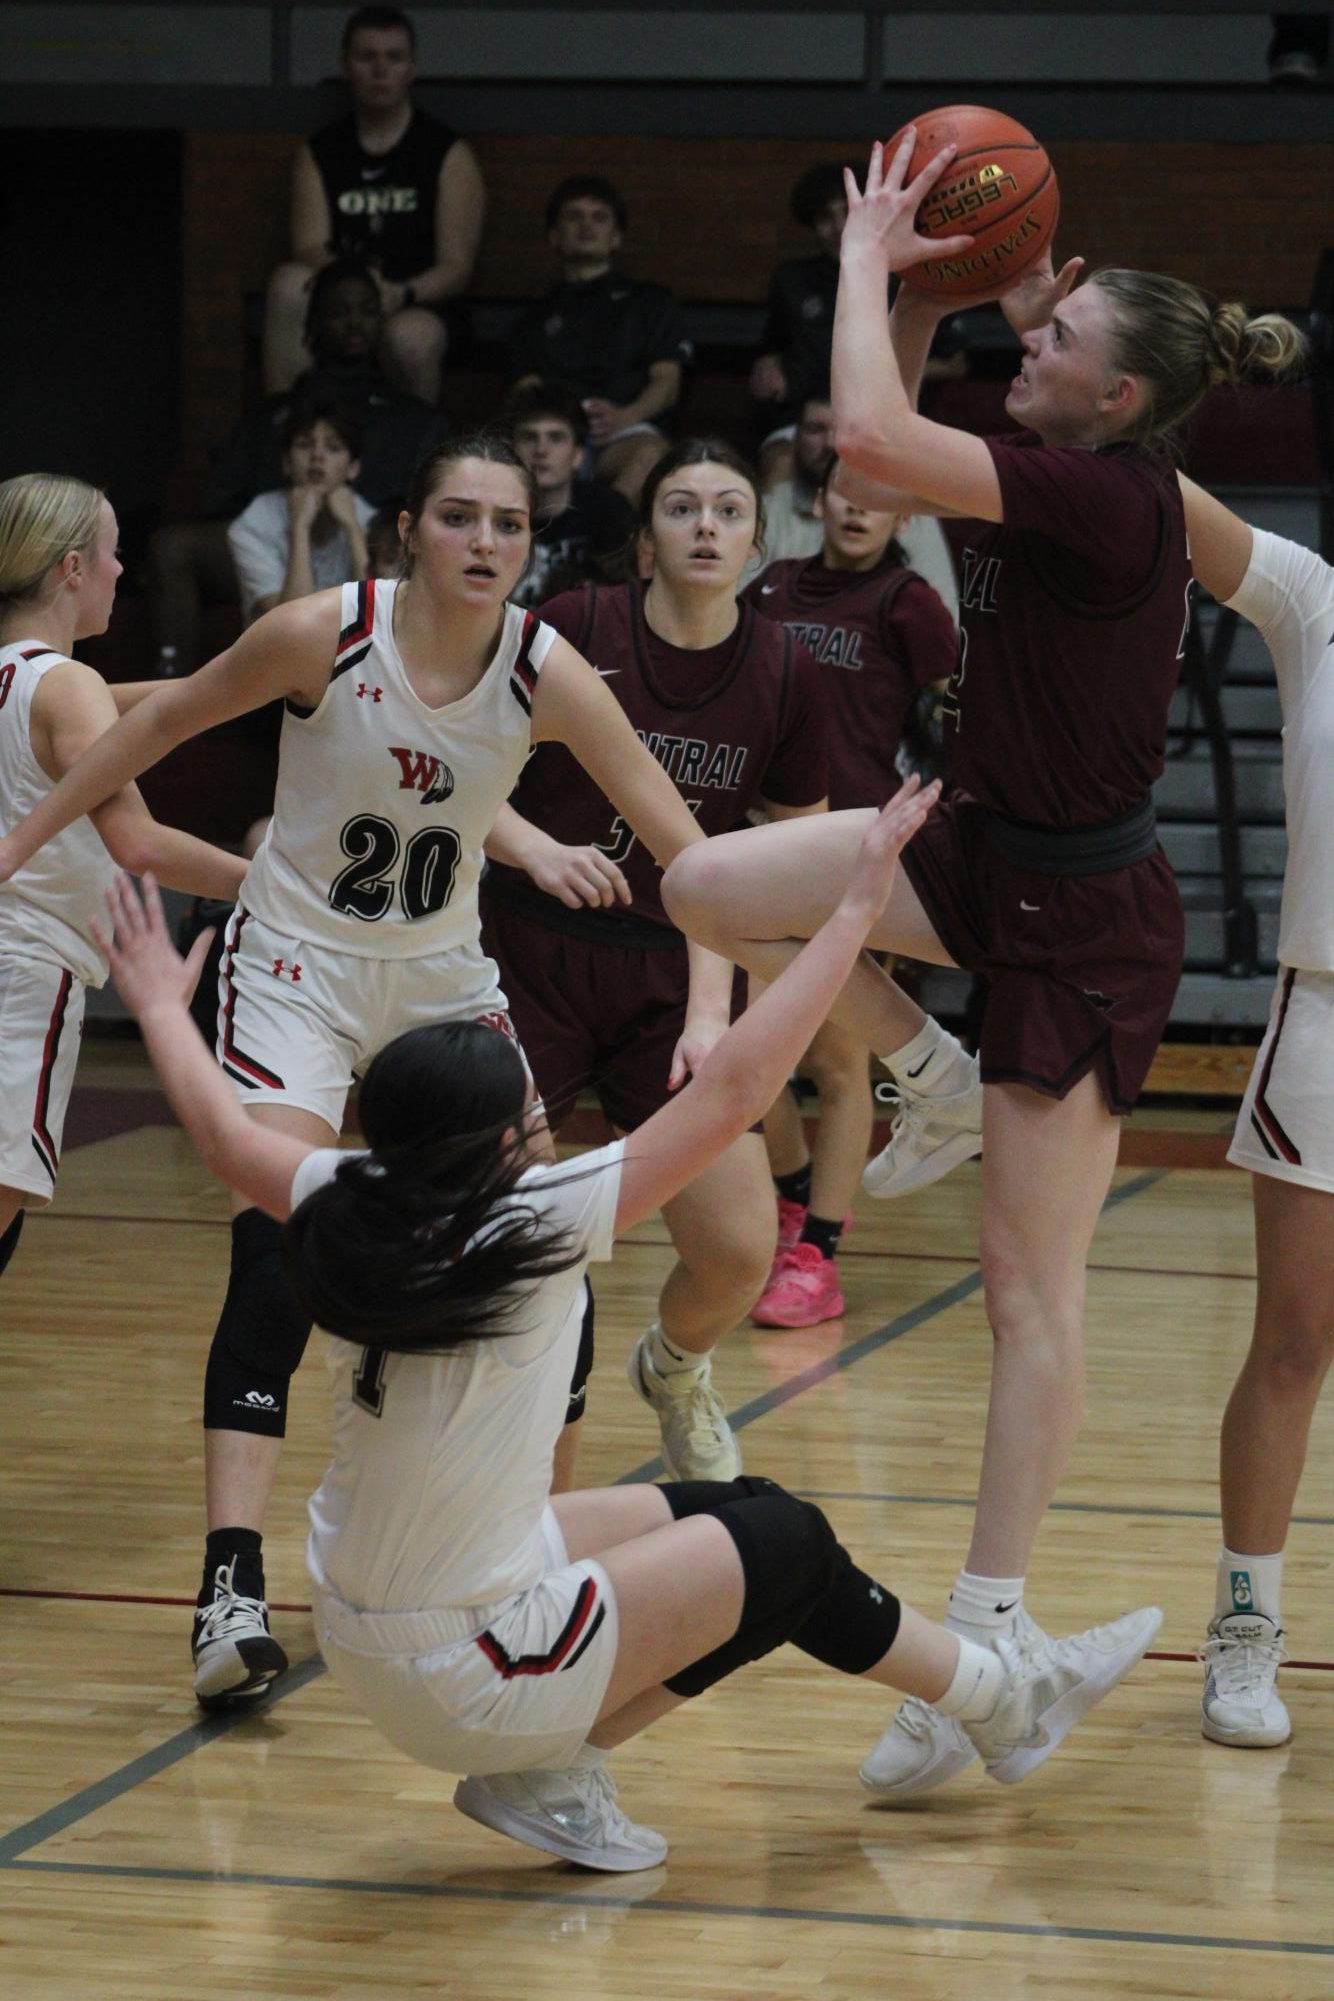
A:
[(390, 184)]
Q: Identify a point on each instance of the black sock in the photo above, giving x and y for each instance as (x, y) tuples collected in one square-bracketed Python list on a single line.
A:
[(220, 1546), (9, 1241), (795, 1187), (818, 1230)]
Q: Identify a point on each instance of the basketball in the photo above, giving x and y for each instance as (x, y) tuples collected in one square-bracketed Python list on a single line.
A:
[(999, 188)]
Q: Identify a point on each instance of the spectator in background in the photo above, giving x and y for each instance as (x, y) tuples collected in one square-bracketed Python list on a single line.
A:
[(581, 527), (310, 534), (794, 518), (619, 343), (793, 365), (384, 545), (390, 184), (189, 562)]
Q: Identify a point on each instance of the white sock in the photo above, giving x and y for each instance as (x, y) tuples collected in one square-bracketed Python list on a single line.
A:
[(975, 1689), (588, 1758), (934, 1062), (1249, 1584), (983, 1606), (666, 1358)]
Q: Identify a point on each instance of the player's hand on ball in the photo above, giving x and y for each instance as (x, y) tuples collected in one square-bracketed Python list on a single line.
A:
[(1029, 304), (145, 964), (883, 221)]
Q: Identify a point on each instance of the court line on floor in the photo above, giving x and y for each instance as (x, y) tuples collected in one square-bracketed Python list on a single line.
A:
[(690, 1907), (64, 1815), (1053, 1507)]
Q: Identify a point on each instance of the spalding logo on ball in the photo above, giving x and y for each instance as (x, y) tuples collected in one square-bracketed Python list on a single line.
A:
[(999, 189)]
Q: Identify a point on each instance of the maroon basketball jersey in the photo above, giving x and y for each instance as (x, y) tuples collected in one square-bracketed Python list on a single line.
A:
[(1072, 628), (879, 635), (731, 725)]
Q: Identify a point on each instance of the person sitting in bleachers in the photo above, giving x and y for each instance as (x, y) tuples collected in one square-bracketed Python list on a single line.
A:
[(391, 184), (189, 563), (310, 533), (583, 528), (619, 343)]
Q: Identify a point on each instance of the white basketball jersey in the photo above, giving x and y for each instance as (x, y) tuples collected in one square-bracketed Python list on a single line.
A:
[(375, 847), (1288, 594), (48, 908), (442, 1463)]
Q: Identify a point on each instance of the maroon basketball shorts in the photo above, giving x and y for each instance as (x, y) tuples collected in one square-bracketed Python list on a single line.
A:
[(1081, 970), (589, 1016)]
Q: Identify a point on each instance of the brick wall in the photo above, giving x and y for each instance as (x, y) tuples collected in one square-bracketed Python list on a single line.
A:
[(709, 218)]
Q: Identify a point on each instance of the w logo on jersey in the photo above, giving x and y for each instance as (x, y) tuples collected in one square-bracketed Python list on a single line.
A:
[(421, 772)]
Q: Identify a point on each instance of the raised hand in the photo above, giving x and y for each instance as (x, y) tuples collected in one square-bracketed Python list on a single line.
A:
[(145, 964), (1030, 302), (883, 221)]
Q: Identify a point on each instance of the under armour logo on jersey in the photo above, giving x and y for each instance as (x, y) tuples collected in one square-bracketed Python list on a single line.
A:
[(421, 772), (281, 969), (363, 691), (877, 1595)]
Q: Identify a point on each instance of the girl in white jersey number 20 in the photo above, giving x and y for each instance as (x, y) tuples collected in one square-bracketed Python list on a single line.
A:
[(410, 709), (485, 1626)]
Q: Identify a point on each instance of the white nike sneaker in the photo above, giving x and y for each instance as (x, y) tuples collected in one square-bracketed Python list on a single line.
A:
[(1051, 1685), (920, 1750), (1242, 1656), (573, 1814), (929, 1136), (697, 1441)]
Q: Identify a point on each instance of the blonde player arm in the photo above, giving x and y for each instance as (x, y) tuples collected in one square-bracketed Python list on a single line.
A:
[(573, 706), (155, 983), (578, 876), (285, 654), (1220, 542), (71, 710)]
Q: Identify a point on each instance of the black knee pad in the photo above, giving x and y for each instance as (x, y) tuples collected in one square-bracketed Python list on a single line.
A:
[(801, 1584), (574, 1409), (261, 1335), (9, 1242)]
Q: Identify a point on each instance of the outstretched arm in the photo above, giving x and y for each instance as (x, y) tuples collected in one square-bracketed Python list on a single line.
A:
[(743, 1075), (1220, 541), (155, 983), (576, 875), (286, 653)]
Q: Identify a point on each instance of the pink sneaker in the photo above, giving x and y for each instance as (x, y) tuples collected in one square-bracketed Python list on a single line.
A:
[(803, 1289), (791, 1219)]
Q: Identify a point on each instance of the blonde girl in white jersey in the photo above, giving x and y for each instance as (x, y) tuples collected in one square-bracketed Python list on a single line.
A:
[(485, 1626), (1284, 1133), (58, 572), (410, 708)]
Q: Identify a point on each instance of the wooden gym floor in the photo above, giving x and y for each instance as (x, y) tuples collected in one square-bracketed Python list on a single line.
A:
[(147, 1854)]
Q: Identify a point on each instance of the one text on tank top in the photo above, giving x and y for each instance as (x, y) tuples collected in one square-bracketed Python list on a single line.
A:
[(730, 725), (442, 1463), (382, 802), (1288, 594), (1056, 713), (48, 909), (878, 636), (382, 205)]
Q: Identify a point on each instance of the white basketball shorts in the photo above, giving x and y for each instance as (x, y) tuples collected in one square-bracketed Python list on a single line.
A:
[(41, 1023), (297, 1022), (518, 1692), (1286, 1124)]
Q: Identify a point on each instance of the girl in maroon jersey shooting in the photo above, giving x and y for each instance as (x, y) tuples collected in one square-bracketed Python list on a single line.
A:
[(1043, 871), (880, 634), (732, 707)]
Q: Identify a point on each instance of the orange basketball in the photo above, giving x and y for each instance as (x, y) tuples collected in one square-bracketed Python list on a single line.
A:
[(999, 188)]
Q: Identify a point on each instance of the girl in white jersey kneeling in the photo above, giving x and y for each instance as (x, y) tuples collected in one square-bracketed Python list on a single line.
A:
[(486, 1627), (410, 708), (58, 572)]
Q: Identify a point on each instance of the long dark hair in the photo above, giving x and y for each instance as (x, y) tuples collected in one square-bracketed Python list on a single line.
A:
[(421, 1243)]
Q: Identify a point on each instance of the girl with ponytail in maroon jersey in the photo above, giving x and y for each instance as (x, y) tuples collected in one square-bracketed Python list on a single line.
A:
[(732, 707), (1043, 870)]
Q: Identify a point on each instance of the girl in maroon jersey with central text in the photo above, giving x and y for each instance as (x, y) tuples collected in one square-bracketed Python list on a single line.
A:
[(881, 634), (732, 707), (1043, 871)]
